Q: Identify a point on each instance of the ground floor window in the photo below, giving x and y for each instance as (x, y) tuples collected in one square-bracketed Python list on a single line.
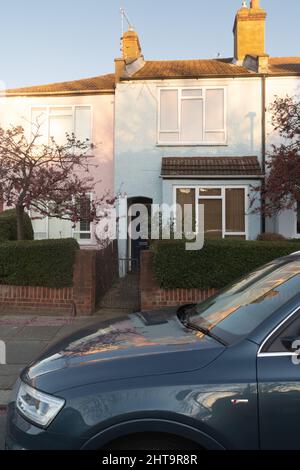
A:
[(224, 209), (51, 227), (83, 230), (298, 219)]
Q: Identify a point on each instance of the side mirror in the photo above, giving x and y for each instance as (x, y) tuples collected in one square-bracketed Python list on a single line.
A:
[(291, 344)]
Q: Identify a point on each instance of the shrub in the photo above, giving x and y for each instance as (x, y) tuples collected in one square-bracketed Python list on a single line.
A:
[(219, 263), (8, 226), (270, 237), (47, 263)]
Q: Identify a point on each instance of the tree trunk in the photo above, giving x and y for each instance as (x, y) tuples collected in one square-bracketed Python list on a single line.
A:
[(20, 222)]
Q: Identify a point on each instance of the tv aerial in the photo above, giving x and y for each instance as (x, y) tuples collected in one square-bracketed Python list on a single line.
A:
[(126, 19)]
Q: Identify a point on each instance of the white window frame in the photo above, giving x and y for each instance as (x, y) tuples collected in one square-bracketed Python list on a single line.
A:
[(221, 197), (61, 106), (46, 220), (296, 234), (179, 90), (84, 241)]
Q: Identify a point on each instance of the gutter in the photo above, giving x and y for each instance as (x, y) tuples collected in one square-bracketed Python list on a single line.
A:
[(222, 177), (58, 93), (263, 140), (201, 77)]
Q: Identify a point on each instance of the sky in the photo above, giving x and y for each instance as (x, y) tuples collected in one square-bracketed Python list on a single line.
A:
[(46, 41)]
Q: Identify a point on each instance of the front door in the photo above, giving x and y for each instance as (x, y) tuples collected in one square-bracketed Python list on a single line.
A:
[(140, 244), (279, 389)]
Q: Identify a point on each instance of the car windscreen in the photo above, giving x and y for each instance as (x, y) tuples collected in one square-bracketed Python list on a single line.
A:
[(242, 307)]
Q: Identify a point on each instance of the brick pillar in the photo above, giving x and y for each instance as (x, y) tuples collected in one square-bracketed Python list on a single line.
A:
[(149, 288), (84, 282)]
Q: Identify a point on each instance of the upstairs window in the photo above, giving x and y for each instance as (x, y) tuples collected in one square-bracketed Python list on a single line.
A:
[(57, 121), (192, 116)]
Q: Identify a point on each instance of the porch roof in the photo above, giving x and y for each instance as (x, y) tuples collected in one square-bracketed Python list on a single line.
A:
[(199, 167)]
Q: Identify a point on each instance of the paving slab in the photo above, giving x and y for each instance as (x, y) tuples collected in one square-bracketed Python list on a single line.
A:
[(23, 352), (9, 375), (4, 398), (42, 333), (9, 331)]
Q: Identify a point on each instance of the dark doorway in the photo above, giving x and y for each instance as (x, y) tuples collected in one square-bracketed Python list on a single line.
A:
[(135, 247)]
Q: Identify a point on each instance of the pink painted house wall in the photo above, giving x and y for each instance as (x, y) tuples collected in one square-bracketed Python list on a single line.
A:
[(16, 110)]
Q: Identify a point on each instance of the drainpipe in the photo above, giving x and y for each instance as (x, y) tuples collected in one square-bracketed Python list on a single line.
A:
[(263, 142)]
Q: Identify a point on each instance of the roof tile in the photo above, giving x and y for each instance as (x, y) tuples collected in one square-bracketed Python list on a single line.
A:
[(284, 65), (210, 166), (189, 68), (94, 84)]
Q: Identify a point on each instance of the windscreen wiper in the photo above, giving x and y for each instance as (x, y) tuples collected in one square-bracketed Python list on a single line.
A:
[(205, 331), (183, 314)]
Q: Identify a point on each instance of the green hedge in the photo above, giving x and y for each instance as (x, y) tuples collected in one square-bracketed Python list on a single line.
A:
[(47, 263), (8, 226), (219, 263)]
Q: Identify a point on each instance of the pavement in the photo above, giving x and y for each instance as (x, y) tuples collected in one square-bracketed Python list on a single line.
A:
[(25, 337)]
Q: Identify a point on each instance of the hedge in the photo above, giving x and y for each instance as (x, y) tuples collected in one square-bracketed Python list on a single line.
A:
[(219, 263), (8, 226), (47, 263)]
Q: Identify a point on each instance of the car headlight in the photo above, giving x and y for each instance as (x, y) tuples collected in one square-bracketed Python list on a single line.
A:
[(38, 407)]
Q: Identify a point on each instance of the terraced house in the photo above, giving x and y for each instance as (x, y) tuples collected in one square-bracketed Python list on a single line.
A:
[(189, 131), (181, 131), (83, 107)]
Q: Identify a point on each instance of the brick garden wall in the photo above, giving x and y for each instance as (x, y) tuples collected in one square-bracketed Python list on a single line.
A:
[(107, 269), (152, 296), (76, 300)]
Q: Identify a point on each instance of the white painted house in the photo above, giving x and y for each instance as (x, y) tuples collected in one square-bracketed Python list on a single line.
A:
[(189, 131)]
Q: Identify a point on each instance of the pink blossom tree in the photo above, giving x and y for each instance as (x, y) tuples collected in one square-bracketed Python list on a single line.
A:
[(49, 179)]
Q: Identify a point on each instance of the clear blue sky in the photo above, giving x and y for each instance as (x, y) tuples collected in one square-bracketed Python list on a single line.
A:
[(45, 41)]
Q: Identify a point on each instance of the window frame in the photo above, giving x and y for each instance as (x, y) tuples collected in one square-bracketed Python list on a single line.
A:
[(84, 241), (180, 143), (46, 232), (274, 334), (61, 106), (296, 233), (221, 197)]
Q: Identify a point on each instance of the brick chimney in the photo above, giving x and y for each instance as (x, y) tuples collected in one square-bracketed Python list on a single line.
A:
[(249, 31), (132, 59), (131, 48)]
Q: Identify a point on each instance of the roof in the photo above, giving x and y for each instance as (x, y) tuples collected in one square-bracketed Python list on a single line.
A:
[(284, 65), (100, 84), (210, 166), (211, 67), (163, 69), (189, 69)]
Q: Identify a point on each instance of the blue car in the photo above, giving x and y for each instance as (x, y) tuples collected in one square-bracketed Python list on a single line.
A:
[(223, 374)]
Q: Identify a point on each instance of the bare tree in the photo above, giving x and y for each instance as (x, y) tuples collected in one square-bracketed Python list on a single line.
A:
[(281, 189)]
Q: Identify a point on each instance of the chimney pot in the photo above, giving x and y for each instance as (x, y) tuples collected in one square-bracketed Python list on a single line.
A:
[(249, 32), (255, 4)]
